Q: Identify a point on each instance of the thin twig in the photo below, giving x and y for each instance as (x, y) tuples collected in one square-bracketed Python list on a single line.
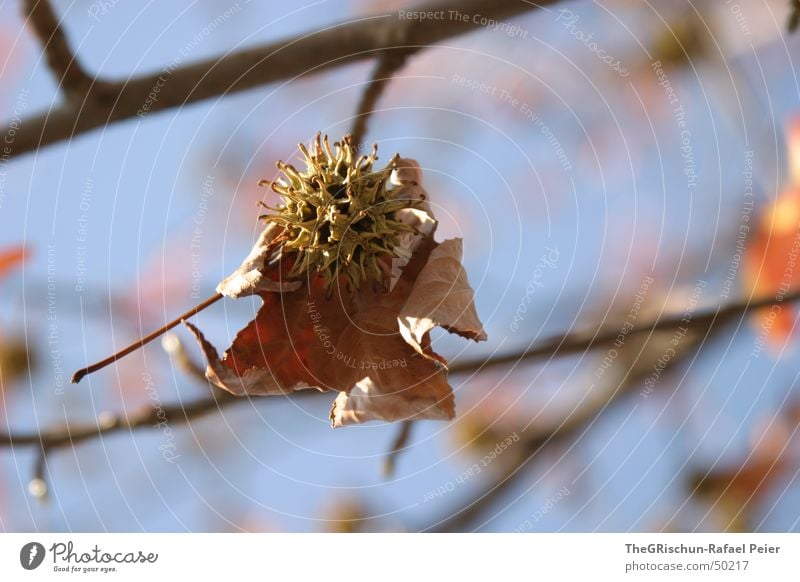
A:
[(305, 54), (60, 58), (398, 446), (76, 377), (147, 417), (389, 62)]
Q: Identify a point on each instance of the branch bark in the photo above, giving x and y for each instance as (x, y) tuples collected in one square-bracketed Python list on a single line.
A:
[(147, 417), (60, 58), (334, 46), (399, 444), (388, 64), (564, 345)]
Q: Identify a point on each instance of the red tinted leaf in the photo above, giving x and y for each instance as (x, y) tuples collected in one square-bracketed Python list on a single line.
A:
[(10, 258)]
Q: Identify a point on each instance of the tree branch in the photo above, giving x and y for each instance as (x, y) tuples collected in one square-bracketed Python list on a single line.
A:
[(536, 439), (180, 413), (62, 61), (398, 446), (388, 64), (794, 15), (513, 467), (564, 345), (147, 417), (336, 45)]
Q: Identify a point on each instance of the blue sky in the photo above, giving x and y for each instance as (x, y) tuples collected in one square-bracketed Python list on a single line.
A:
[(613, 200)]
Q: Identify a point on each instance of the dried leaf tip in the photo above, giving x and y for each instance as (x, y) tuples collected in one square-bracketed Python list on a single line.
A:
[(339, 213)]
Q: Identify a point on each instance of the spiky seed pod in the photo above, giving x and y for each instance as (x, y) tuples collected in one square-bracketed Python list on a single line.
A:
[(339, 218)]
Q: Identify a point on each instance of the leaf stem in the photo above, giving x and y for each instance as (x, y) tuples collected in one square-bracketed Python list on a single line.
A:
[(76, 377)]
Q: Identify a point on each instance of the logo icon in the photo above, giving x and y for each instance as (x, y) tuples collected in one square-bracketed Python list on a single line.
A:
[(31, 555)]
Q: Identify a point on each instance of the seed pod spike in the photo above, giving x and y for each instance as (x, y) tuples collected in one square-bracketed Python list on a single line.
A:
[(338, 214)]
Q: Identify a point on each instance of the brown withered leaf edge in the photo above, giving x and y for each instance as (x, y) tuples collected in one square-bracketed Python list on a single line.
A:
[(371, 346)]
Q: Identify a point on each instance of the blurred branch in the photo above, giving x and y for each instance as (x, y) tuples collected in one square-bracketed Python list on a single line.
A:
[(108, 423), (179, 413), (333, 46), (734, 492), (511, 467), (62, 61), (147, 417), (794, 15), (564, 345), (398, 445), (388, 64)]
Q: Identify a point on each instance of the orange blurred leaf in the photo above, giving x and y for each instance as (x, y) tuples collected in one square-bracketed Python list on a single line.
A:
[(772, 258), (10, 258)]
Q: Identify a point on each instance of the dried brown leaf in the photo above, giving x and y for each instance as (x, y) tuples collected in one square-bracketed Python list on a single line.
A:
[(441, 297), (251, 276), (353, 341)]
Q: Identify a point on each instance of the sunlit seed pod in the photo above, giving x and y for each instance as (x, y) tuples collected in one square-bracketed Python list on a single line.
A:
[(338, 215), (327, 261)]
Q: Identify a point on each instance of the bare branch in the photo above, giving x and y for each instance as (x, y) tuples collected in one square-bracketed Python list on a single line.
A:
[(147, 417), (398, 445), (513, 467), (794, 15), (305, 54), (564, 345), (514, 464), (62, 61), (388, 64), (706, 324)]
